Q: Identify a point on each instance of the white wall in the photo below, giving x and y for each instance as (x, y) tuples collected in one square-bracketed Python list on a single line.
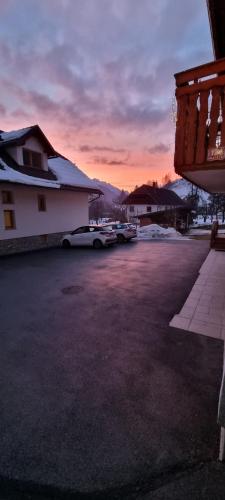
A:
[(66, 210), (142, 209), (32, 143)]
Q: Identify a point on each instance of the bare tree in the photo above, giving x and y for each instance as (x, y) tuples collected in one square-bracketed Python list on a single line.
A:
[(216, 205), (166, 179)]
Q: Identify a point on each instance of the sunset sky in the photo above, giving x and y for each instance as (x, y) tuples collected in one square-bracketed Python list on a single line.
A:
[(97, 76)]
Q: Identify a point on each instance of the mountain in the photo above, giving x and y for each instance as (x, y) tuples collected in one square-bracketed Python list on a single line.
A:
[(111, 193), (183, 188)]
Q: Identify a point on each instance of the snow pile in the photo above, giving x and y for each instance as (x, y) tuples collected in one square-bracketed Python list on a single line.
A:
[(153, 231), (201, 220)]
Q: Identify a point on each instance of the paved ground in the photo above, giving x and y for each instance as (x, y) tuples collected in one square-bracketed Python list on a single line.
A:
[(204, 310), (99, 396)]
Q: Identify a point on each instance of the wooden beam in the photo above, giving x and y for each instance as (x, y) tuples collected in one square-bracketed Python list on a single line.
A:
[(223, 116), (222, 445), (191, 128), (202, 128), (197, 87), (211, 68), (210, 165), (182, 103), (214, 115)]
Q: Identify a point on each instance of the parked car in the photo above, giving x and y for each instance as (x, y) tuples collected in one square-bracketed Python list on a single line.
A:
[(129, 224), (123, 231), (96, 236)]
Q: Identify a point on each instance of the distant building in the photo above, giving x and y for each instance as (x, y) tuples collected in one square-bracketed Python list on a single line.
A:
[(148, 199), (42, 194)]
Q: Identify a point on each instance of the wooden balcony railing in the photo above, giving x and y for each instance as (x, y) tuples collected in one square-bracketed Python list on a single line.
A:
[(200, 127)]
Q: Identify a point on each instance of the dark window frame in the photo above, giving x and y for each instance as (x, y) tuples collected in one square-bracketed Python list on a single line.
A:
[(148, 208), (131, 209), (42, 206), (7, 197), (13, 220), (31, 154)]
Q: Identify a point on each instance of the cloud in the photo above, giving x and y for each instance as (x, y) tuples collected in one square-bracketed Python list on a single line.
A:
[(85, 148), (20, 114), (98, 75), (134, 116), (2, 110), (159, 148), (102, 160)]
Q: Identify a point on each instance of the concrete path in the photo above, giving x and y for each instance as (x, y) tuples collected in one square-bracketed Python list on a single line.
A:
[(99, 395), (204, 310)]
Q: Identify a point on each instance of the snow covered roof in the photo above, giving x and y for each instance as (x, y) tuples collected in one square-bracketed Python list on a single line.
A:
[(68, 174), (8, 174), (14, 134), (18, 137), (62, 173)]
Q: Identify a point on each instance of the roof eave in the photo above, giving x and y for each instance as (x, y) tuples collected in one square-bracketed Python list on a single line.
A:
[(82, 189), (20, 183), (62, 187)]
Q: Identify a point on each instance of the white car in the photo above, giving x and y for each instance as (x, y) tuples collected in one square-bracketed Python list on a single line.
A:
[(124, 231), (95, 236)]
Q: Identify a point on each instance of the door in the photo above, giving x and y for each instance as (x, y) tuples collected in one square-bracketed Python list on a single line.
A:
[(78, 236)]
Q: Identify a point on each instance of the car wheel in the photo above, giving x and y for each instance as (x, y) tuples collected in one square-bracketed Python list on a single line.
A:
[(66, 244), (120, 238), (97, 244)]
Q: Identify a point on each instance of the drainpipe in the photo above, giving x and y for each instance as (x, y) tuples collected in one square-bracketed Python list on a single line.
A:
[(94, 199)]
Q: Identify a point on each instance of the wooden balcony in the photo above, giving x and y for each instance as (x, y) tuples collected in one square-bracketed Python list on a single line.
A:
[(200, 126)]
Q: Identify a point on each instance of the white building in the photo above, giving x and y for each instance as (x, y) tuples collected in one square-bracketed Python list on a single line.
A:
[(42, 194)]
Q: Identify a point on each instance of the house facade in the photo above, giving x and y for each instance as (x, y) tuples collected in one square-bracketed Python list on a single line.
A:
[(42, 194), (150, 199)]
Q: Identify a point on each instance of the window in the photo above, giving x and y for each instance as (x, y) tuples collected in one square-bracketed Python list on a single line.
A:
[(7, 197), (9, 219), (41, 203), (131, 208), (149, 209), (80, 230), (32, 158), (92, 229)]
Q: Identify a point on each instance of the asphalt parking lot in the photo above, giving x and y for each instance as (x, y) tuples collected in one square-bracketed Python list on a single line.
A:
[(100, 397)]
